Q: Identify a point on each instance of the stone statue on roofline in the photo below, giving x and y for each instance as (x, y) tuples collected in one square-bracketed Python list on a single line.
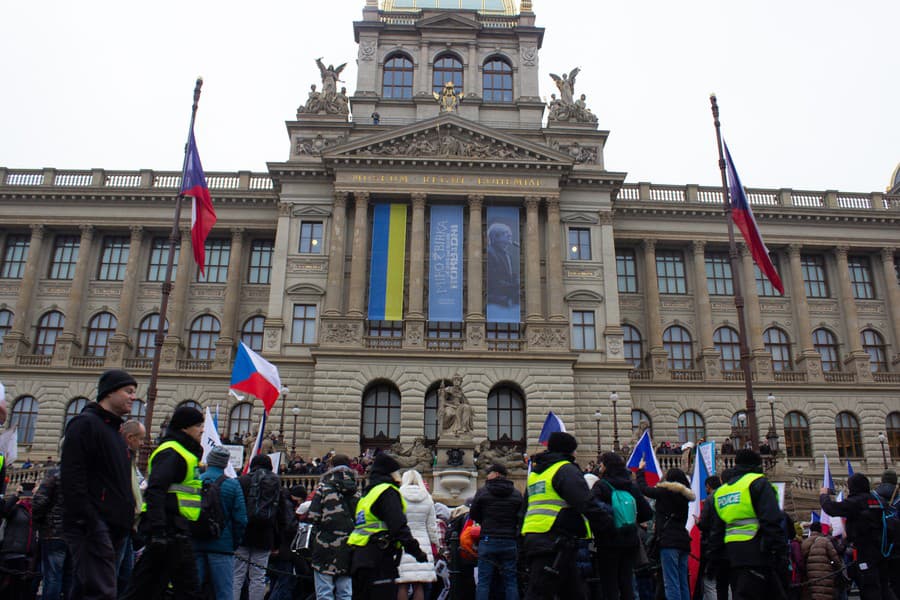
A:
[(329, 101), (567, 108)]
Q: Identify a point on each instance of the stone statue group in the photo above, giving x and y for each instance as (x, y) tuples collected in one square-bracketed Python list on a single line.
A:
[(566, 107), (329, 101)]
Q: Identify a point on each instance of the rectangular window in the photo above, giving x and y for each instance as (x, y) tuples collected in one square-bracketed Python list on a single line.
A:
[(579, 243), (764, 287), (311, 237), (444, 335), (261, 261), (159, 256), (584, 333), (813, 268), (304, 329), (14, 256), (626, 270), (65, 255), (218, 253), (504, 337), (670, 272), (718, 274), (861, 277), (114, 258)]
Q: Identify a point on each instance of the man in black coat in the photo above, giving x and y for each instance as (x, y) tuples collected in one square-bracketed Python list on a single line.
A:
[(98, 504), (497, 507), (262, 535)]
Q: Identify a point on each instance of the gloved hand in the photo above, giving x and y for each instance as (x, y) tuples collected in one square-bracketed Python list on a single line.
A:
[(420, 556)]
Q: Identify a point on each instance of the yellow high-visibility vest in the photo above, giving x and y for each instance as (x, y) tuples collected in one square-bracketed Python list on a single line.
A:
[(187, 492), (367, 524), (544, 504), (735, 507)]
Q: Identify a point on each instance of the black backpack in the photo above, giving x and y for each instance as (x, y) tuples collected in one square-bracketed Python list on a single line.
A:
[(263, 496), (211, 522)]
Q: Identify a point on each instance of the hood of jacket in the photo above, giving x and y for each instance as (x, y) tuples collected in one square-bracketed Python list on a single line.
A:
[(107, 417), (886, 491), (178, 435), (678, 488), (342, 479), (378, 478), (500, 487), (414, 493), (621, 480), (543, 461)]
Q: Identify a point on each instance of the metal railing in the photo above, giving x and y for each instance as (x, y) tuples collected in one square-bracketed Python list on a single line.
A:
[(193, 364)]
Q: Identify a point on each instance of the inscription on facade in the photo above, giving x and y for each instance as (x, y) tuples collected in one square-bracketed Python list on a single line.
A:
[(478, 180)]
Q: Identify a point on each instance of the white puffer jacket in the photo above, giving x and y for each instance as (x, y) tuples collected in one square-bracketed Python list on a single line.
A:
[(423, 524)]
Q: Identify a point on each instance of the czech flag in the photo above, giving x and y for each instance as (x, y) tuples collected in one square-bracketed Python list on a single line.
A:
[(643, 450), (830, 525), (203, 217), (255, 375), (551, 424), (742, 215), (704, 466)]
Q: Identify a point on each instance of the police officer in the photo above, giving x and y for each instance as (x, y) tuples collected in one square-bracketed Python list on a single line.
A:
[(380, 534), (171, 504), (747, 522), (559, 507)]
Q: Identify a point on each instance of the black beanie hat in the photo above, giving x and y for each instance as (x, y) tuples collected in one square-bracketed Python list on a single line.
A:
[(384, 464), (498, 468), (889, 476), (747, 458), (560, 441), (184, 417), (112, 380), (858, 484), (261, 461)]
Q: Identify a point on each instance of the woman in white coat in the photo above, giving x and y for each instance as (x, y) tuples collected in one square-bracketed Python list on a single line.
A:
[(423, 524)]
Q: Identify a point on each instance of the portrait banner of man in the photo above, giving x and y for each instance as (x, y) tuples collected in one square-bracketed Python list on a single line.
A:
[(503, 265)]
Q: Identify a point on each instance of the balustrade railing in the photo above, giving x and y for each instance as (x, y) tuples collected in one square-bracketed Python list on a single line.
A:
[(138, 364), (839, 377), (790, 376), (686, 374), (639, 375), (34, 360), (193, 364), (88, 362), (130, 179)]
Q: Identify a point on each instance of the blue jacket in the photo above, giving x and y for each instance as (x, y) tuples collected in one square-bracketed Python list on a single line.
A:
[(235, 514)]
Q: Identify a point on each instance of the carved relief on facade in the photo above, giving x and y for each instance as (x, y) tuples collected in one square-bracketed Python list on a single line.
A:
[(415, 332), (614, 346), (660, 365), (630, 302), (9, 290), (367, 50), (251, 293), (712, 367), (54, 289), (869, 308), (105, 290), (272, 338), (544, 336), (828, 307), (149, 290), (437, 142), (676, 304), (306, 265), (342, 332), (317, 145), (475, 333), (529, 55), (774, 306)]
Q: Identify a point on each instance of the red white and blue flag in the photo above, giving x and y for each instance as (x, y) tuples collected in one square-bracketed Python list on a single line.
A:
[(203, 216), (742, 215), (643, 450), (830, 525), (552, 424), (257, 445), (255, 375), (704, 466)]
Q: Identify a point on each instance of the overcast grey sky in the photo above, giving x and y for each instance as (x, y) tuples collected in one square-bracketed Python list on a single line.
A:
[(808, 89)]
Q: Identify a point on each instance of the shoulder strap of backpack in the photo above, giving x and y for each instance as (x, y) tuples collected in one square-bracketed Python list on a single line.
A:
[(218, 482)]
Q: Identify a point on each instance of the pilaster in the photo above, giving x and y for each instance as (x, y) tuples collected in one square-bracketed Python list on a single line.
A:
[(533, 307), (359, 255), (225, 343), (334, 286), (893, 287), (555, 304), (120, 343), (856, 361), (475, 300), (417, 259), (15, 342), (273, 326)]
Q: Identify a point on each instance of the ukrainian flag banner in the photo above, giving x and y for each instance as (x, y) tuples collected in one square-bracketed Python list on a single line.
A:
[(388, 262)]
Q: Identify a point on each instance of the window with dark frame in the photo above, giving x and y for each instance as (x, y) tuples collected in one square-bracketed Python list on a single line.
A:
[(861, 277), (159, 257), (633, 346), (691, 426), (445, 335), (797, 441), (849, 436), (204, 334), (260, 267), (114, 258), (65, 256), (728, 343), (447, 68), (584, 330), (303, 330), (73, 409), (380, 416), (24, 416), (497, 82), (397, 81), (218, 253), (764, 287), (670, 276), (385, 329), (826, 345), (138, 411), (506, 417), (146, 335), (718, 274), (101, 327), (679, 345), (814, 279), (626, 271), (777, 343), (48, 329), (6, 321), (579, 243), (311, 237), (638, 415), (892, 432), (874, 345), (252, 332), (504, 336), (240, 420), (15, 255)]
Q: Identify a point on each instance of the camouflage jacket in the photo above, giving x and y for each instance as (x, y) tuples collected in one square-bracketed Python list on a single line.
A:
[(331, 513)]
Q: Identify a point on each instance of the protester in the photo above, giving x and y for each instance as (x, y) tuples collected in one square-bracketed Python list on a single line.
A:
[(171, 504), (496, 507), (422, 521), (283, 580), (713, 571), (98, 503), (889, 492), (332, 513), (461, 564), (133, 432), (18, 549), (673, 495), (215, 558), (822, 561), (47, 511), (262, 495)]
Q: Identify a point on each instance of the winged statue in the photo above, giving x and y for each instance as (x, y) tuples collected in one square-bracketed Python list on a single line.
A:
[(566, 85)]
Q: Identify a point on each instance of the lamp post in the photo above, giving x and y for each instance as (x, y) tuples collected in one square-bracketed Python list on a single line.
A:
[(296, 412), (742, 423), (772, 436), (883, 438), (597, 416), (614, 398)]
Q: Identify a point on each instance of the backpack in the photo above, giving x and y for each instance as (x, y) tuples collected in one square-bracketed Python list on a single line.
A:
[(623, 506), (890, 527), (263, 496), (211, 522)]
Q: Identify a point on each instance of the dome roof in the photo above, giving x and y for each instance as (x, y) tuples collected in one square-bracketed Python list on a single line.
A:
[(495, 7), (894, 186)]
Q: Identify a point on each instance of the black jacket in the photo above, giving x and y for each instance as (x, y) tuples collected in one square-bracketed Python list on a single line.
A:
[(888, 492), (625, 537), (20, 537), (47, 506), (389, 509), (672, 501), (96, 473), (768, 548), (168, 467), (264, 535), (496, 507), (864, 527)]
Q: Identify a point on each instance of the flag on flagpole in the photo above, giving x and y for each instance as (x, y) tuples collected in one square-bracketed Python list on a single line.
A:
[(704, 466), (257, 445), (742, 215), (849, 469), (832, 525), (211, 439), (255, 375), (552, 424), (203, 216), (643, 450)]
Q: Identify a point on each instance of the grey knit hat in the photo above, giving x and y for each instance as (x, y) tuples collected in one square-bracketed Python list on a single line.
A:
[(218, 457)]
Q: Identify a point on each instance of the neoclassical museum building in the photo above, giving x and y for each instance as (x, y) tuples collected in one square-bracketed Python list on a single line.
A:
[(419, 230)]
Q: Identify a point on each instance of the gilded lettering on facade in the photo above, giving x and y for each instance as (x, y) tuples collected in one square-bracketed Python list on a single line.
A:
[(485, 180), (380, 178)]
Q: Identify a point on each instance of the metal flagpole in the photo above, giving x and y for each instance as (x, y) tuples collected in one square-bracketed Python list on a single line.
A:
[(736, 278), (174, 239)]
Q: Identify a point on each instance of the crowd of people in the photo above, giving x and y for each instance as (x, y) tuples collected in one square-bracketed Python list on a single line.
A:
[(97, 527)]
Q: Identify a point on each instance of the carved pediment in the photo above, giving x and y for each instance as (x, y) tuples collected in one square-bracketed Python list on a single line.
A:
[(584, 296), (310, 211), (590, 219), (305, 289), (449, 21)]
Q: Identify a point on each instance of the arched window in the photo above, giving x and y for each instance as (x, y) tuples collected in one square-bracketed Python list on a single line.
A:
[(73, 409), (777, 343), (381, 415), (497, 83), (447, 68), (892, 431), (637, 415), (826, 345), (797, 442), (203, 337), (506, 417), (691, 426), (101, 327), (24, 415), (728, 344), (849, 437), (146, 334), (398, 77), (49, 327), (138, 411), (633, 346), (873, 344), (6, 320), (240, 420), (677, 342), (252, 332), (431, 410), (189, 404)]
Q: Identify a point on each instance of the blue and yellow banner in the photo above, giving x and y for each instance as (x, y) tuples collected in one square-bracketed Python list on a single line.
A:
[(388, 262), (445, 264)]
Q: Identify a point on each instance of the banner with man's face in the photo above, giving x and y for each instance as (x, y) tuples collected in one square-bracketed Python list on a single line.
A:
[(503, 270)]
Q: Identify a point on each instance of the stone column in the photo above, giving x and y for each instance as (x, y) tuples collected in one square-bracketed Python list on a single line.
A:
[(760, 360), (808, 360), (556, 308), (422, 74), (334, 287), (68, 343), (359, 256), (710, 360), (857, 360), (475, 334), (613, 333), (226, 341), (273, 326), (893, 288), (15, 342), (120, 343), (533, 306), (656, 351), (417, 259), (178, 302), (472, 84)]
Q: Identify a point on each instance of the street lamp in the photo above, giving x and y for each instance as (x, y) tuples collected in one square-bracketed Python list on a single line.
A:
[(296, 412), (883, 438), (613, 398), (772, 436), (597, 416)]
